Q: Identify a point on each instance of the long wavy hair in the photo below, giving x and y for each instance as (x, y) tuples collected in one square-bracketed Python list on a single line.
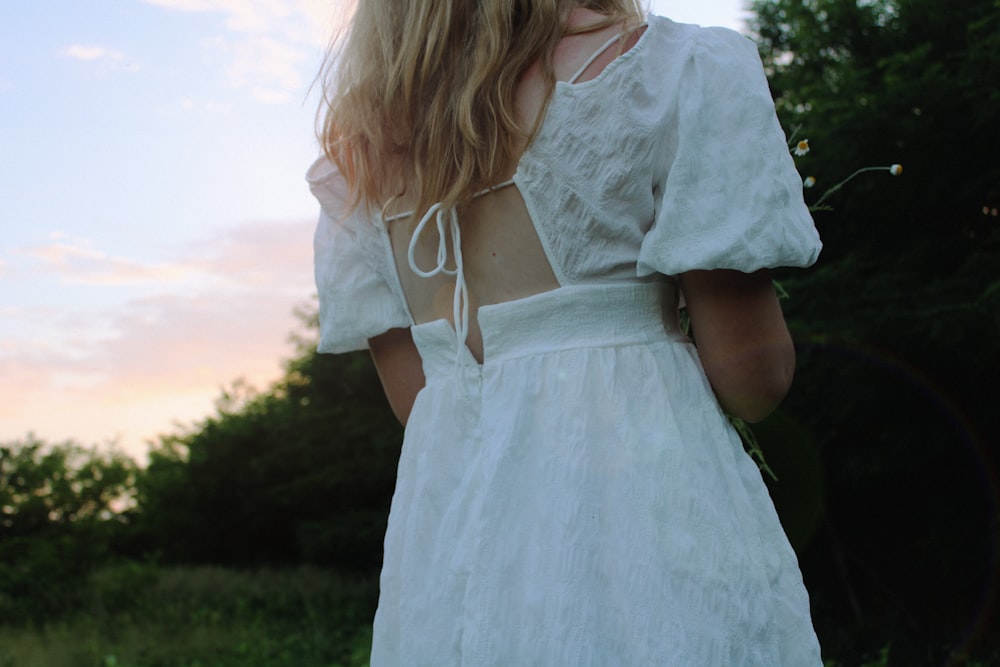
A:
[(418, 95)]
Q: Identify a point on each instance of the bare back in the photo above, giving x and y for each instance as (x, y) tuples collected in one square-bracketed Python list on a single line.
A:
[(502, 256)]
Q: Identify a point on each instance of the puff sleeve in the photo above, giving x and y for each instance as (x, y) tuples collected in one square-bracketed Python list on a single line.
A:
[(355, 300), (728, 195)]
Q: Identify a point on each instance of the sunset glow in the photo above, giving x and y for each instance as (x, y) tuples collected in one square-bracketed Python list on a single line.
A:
[(156, 227)]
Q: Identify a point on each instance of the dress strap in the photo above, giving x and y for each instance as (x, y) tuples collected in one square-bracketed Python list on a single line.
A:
[(407, 214), (604, 47)]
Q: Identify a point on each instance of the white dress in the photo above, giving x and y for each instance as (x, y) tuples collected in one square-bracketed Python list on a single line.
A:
[(579, 498)]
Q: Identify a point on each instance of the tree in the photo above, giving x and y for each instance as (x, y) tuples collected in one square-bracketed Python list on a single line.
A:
[(896, 326), (301, 472), (63, 509), (908, 81)]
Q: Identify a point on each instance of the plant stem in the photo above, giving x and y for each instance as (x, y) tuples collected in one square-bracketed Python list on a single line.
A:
[(829, 192)]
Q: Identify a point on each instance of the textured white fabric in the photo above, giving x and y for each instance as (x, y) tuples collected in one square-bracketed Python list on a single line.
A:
[(579, 498), (671, 159), (354, 269)]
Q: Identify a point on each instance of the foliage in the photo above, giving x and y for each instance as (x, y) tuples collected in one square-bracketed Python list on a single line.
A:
[(61, 484), (894, 386), (136, 615), (60, 506), (301, 473), (896, 326), (881, 81)]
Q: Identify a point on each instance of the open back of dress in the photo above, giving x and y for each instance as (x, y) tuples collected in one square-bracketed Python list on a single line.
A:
[(501, 257)]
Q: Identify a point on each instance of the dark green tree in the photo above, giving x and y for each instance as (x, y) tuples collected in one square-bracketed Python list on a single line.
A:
[(892, 81), (63, 510), (302, 472), (893, 416)]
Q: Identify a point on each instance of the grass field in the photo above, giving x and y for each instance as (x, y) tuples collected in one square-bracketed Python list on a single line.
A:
[(144, 616), (138, 615)]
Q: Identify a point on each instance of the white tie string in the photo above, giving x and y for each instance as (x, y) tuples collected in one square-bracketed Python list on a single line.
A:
[(437, 212), (460, 301)]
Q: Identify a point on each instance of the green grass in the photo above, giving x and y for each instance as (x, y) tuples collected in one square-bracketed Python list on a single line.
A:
[(143, 616), (138, 615)]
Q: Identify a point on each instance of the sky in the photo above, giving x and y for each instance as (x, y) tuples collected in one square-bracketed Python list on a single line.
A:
[(155, 227)]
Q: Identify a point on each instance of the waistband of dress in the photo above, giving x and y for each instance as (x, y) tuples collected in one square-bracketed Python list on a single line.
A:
[(576, 316)]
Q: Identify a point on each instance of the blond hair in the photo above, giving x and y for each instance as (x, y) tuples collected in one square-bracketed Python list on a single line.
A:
[(419, 96)]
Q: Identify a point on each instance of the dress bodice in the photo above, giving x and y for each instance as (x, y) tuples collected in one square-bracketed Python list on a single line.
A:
[(671, 159)]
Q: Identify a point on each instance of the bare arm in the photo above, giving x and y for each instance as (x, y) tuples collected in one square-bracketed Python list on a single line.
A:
[(399, 368), (742, 339)]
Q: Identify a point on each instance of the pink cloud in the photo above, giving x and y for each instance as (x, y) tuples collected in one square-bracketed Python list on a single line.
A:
[(257, 254), (249, 255), (82, 265), (131, 371)]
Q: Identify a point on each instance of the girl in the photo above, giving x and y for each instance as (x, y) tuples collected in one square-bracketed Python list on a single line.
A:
[(515, 195)]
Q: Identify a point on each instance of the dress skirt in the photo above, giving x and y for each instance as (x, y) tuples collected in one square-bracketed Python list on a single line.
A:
[(579, 499)]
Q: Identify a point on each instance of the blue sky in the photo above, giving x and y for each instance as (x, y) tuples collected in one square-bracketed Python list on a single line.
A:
[(155, 228)]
